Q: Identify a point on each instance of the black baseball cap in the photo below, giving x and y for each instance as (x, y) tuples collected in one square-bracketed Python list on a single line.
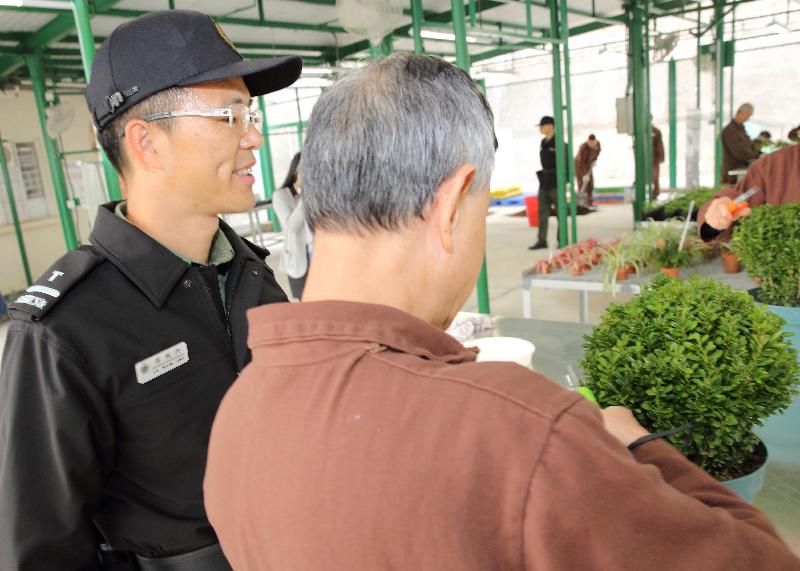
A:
[(174, 48), (546, 120)]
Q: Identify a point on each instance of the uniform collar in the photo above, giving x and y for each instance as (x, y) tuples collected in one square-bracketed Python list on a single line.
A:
[(152, 267), (277, 324)]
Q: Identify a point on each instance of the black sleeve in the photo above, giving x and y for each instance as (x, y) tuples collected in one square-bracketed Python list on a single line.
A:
[(55, 452), (708, 233)]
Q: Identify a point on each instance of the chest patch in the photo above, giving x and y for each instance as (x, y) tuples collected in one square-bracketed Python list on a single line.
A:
[(162, 362)]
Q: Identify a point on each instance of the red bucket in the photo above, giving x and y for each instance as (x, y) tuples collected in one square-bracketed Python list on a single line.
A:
[(532, 207)]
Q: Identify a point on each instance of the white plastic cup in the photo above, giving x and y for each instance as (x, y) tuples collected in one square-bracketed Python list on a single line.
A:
[(511, 349)]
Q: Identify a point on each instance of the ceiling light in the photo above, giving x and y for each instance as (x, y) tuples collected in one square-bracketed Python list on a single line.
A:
[(446, 36)]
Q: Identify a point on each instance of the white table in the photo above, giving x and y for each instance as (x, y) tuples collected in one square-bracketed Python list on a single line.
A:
[(592, 281)]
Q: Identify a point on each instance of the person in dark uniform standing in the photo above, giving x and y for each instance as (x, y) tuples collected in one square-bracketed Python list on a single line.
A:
[(118, 357), (548, 196)]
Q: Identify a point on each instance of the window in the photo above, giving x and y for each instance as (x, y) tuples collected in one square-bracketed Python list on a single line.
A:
[(29, 170)]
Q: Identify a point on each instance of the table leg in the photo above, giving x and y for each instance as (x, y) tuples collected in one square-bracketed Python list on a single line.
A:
[(584, 309)]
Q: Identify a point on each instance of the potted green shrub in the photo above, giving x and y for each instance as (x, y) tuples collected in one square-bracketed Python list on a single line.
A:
[(619, 261), (695, 351), (768, 245)]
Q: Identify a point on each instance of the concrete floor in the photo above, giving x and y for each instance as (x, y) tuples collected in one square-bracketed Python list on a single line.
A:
[(508, 237)]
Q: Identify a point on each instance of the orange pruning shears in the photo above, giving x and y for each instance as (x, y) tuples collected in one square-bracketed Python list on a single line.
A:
[(740, 202)]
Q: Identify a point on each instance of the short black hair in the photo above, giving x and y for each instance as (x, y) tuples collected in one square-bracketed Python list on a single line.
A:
[(110, 138), (592, 137)]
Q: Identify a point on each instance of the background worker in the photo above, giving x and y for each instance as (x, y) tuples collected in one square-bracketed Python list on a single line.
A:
[(118, 357), (548, 195), (585, 160), (297, 238), (658, 158), (737, 148), (776, 176)]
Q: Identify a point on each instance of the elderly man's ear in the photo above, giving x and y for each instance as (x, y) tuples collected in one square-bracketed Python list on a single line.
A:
[(447, 204)]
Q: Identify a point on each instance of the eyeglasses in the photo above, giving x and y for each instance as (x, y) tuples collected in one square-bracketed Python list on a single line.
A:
[(239, 116)]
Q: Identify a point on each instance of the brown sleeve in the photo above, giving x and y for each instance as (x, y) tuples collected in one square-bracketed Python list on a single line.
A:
[(738, 145), (592, 500)]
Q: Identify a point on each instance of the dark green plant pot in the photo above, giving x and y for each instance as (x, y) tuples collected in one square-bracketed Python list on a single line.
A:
[(747, 487), (781, 432)]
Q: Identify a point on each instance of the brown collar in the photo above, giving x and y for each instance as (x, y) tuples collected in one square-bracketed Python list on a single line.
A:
[(282, 323)]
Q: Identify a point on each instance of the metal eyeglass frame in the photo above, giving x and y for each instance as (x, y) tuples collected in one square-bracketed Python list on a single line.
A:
[(248, 117)]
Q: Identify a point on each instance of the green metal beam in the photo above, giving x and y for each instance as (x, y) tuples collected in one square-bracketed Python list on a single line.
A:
[(417, 17), (84, 28), (55, 30), (558, 116), (462, 61), (53, 159), (564, 31), (641, 138), (267, 171), (673, 124), (12, 207), (719, 84)]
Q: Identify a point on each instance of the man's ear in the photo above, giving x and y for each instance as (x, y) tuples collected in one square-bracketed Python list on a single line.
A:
[(143, 142), (447, 204)]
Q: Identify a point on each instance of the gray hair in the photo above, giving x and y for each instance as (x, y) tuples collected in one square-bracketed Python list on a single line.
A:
[(744, 108), (381, 141)]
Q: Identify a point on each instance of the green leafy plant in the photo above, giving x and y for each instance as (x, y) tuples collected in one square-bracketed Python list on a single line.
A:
[(618, 256), (679, 205), (694, 351), (658, 246), (768, 245)]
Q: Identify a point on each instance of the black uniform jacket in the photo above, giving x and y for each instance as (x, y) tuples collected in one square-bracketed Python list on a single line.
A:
[(115, 363)]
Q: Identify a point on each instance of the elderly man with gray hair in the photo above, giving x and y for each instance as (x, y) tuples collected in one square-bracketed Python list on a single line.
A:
[(738, 151), (362, 437)]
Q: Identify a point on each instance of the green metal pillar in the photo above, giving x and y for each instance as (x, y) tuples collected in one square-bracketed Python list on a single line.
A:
[(719, 85), (267, 172), (731, 62), (528, 17), (417, 17), (12, 207), (573, 206), (34, 63), (699, 63), (647, 115), (387, 45), (673, 125), (558, 116), (462, 61), (642, 139), (86, 38)]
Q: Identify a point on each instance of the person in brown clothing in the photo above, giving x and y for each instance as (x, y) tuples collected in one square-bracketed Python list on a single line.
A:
[(363, 437), (658, 158), (776, 176), (737, 148), (584, 164)]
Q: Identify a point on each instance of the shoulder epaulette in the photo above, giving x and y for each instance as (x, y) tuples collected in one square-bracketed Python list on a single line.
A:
[(38, 299)]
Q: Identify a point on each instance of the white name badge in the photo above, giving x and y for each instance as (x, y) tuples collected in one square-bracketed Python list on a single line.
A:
[(160, 363)]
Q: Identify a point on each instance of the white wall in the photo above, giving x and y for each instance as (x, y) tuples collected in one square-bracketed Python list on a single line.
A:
[(44, 239)]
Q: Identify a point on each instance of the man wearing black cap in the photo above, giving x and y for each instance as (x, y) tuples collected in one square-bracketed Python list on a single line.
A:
[(548, 197), (118, 357)]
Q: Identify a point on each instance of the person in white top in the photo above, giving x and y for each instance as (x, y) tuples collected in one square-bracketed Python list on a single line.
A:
[(297, 238)]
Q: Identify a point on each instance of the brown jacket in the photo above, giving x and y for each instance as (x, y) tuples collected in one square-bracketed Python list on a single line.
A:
[(584, 161), (363, 439), (659, 155), (737, 150), (776, 175)]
